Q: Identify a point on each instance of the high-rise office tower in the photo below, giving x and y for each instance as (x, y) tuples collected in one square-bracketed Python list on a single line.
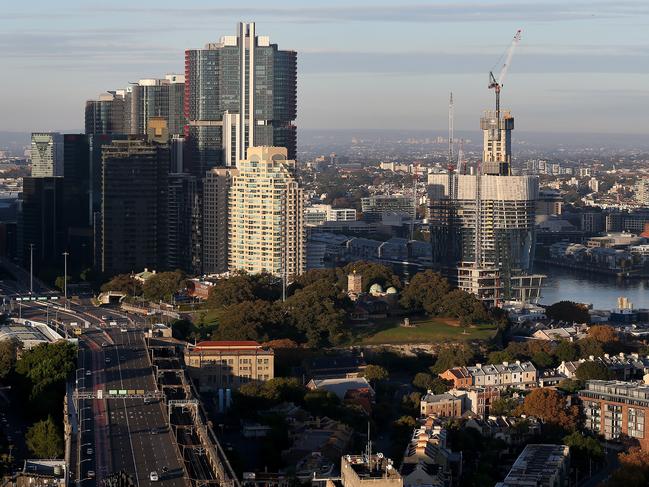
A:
[(134, 205), (483, 225), (182, 206), (239, 93), (266, 215), (77, 202), (47, 154), (110, 113), (42, 222), (216, 187), (158, 98)]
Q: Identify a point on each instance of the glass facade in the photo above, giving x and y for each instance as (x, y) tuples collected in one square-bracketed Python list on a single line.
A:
[(216, 84)]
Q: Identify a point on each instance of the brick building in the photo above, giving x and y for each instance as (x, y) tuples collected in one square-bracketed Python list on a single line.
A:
[(228, 364)]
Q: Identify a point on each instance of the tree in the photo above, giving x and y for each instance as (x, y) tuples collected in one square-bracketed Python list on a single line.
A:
[(542, 360), (163, 285), (566, 351), (551, 407), (504, 406), (182, 329), (589, 347), (568, 311), (233, 290), (47, 362), (375, 373), (425, 291), (318, 312), (428, 382), (249, 320), (570, 386), (60, 282), (454, 356), (465, 306), (583, 449), (591, 370), (8, 355), (602, 333), (44, 439), (124, 283), (633, 470), (499, 356)]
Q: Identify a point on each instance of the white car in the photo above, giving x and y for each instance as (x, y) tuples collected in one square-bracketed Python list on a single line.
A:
[(89, 451), (88, 372), (153, 477)]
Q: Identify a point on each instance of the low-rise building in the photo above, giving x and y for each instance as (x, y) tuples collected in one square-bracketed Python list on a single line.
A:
[(441, 405), (569, 333), (427, 460), (621, 366), (217, 365), (28, 333), (540, 466), (43, 473), (363, 471), (339, 365), (519, 375), (478, 400), (614, 409), (356, 391)]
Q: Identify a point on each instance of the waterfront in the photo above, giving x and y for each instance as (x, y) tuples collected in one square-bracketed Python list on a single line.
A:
[(600, 290)]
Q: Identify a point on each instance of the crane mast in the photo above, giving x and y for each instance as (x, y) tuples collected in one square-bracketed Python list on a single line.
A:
[(497, 84)]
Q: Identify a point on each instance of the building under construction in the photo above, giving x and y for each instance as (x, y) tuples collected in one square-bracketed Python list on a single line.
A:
[(482, 224), (482, 231)]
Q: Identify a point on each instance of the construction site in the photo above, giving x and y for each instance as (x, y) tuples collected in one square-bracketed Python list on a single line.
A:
[(482, 218)]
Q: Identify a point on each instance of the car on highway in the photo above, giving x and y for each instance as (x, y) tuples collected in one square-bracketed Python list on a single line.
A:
[(88, 372), (107, 360), (153, 476), (89, 451), (91, 474)]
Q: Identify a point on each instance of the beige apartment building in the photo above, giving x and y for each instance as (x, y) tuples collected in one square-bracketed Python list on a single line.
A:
[(266, 215), (227, 364)]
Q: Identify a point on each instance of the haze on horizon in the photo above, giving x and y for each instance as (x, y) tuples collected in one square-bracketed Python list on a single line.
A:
[(582, 66)]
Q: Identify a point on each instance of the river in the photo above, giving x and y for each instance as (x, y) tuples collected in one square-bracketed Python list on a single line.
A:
[(599, 290)]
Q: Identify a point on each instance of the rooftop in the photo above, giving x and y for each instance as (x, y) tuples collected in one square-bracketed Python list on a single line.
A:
[(536, 466)]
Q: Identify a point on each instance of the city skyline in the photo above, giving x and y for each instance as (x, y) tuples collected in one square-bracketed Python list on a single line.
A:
[(380, 65)]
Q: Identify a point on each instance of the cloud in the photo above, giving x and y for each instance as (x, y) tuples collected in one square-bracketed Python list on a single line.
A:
[(550, 10), (448, 63)]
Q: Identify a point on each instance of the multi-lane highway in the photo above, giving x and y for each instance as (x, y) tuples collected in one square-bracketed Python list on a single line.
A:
[(114, 434)]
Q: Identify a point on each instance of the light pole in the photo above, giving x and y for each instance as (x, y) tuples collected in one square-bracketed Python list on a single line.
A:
[(31, 268), (65, 278)]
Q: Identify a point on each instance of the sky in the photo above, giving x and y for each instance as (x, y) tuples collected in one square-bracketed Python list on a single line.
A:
[(581, 66)]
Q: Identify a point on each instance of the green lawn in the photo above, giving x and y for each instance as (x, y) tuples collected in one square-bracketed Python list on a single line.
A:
[(204, 316), (427, 330)]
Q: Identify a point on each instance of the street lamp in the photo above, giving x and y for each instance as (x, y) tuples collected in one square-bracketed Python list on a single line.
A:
[(65, 278), (31, 268)]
